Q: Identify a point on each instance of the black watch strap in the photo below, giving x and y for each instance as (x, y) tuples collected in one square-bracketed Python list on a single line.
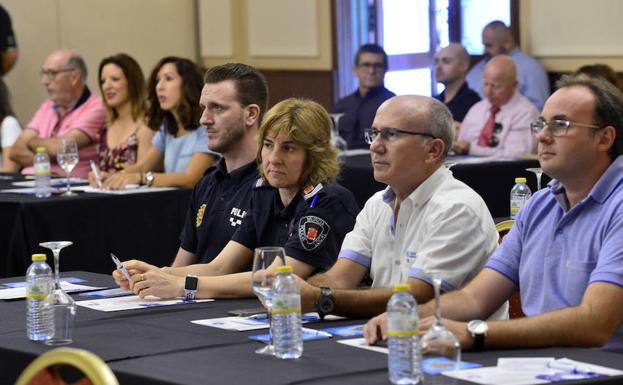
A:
[(326, 303), (479, 342)]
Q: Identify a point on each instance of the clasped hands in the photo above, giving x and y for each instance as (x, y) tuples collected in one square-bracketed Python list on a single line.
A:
[(148, 279), (115, 181)]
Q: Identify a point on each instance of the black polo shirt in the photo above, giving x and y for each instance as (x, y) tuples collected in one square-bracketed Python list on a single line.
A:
[(464, 99), (311, 228), (218, 203)]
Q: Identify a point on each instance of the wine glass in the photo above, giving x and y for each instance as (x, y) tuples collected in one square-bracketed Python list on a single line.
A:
[(441, 350), (67, 158), (61, 305), (538, 171), (262, 281), (337, 140)]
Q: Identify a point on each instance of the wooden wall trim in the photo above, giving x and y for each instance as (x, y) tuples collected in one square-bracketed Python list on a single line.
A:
[(316, 85)]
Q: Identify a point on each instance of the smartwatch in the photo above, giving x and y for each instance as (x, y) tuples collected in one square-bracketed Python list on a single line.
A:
[(326, 303), (149, 178), (478, 329), (190, 287)]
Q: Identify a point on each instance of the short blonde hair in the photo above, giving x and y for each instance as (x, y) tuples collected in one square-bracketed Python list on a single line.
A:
[(308, 124)]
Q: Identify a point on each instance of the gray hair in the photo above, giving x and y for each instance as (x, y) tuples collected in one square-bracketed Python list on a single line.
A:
[(441, 124), (76, 61)]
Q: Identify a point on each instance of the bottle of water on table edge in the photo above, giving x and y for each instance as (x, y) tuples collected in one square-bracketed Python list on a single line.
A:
[(520, 193), (404, 358), (42, 173), (39, 282), (286, 315)]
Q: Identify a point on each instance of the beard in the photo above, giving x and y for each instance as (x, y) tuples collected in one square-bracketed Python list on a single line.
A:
[(230, 138)]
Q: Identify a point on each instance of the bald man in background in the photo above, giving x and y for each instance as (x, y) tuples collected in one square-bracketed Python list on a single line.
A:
[(451, 65), (498, 126)]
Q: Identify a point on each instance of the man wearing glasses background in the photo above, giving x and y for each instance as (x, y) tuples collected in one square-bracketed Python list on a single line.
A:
[(424, 220), (359, 107), (70, 111), (565, 251), (498, 126)]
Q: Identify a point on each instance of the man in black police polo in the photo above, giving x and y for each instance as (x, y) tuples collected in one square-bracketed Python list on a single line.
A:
[(233, 99)]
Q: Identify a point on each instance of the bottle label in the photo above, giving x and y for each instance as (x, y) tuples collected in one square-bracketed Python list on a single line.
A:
[(517, 202), (38, 288), (286, 304), (42, 168), (404, 326)]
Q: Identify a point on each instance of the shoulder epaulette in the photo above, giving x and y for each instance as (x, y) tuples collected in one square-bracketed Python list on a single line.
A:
[(310, 190)]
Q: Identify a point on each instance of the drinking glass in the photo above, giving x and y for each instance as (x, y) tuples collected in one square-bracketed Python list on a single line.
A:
[(67, 158), (262, 281), (337, 140), (538, 171), (63, 307), (441, 350)]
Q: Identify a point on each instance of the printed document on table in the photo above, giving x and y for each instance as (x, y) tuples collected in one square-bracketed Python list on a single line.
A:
[(20, 292), (129, 189), (254, 322), (362, 344), (133, 302)]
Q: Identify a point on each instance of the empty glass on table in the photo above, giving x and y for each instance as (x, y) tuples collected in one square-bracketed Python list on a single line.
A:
[(63, 307), (67, 158), (262, 280)]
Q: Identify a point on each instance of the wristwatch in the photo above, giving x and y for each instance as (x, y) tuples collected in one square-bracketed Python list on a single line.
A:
[(478, 329), (325, 303), (190, 287), (149, 178)]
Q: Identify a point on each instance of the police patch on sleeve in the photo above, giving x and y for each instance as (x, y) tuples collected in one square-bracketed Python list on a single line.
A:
[(312, 231), (199, 217)]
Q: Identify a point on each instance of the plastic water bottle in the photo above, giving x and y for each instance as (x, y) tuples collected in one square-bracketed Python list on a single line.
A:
[(42, 173), (285, 324), (404, 357), (39, 322), (520, 193)]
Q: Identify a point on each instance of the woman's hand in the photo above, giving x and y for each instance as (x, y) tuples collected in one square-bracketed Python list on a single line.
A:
[(119, 180), (135, 268)]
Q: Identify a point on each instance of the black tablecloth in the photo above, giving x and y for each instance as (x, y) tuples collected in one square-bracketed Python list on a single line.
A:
[(161, 346), (144, 225), (492, 180)]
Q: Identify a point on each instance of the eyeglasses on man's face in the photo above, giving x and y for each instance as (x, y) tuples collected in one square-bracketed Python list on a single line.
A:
[(369, 65), (557, 127), (389, 134), (51, 74)]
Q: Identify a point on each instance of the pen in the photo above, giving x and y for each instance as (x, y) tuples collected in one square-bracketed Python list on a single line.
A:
[(569, 367), (120, 266), (96, 172)]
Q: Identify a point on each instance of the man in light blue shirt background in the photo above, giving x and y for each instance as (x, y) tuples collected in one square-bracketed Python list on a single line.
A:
[(533, 80)]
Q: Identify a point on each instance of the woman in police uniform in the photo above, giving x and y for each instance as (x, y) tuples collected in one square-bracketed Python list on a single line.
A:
[(294, 205)]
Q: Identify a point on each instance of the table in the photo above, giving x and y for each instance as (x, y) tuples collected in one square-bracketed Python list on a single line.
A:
[(145, 226), (161, 346), (492, 180)]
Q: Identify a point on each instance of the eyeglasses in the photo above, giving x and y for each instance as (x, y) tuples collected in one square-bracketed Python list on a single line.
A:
[(369, 66), (557, 127), (494, 141), (391, 134), (51, 74)]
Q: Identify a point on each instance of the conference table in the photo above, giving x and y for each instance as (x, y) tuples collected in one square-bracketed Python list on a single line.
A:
[(491, 179), (161, 346), (142, 225)]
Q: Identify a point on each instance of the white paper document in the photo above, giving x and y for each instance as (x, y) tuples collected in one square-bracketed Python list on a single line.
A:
[(20, 292), (129, 189), (536, 370), (133, 302), (362, 344), (254, 322)]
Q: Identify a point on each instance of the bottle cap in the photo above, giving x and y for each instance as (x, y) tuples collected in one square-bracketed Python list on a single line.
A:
[(39, 257), (285, 269), (402, 287), (520, 180), (40, 149)]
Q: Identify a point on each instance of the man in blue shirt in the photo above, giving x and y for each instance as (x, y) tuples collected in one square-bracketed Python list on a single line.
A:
[(565, 251), (533, 81), (360, 107), (233, 99)]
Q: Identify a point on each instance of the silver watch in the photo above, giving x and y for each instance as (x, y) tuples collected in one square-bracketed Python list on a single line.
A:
[(149, 178)]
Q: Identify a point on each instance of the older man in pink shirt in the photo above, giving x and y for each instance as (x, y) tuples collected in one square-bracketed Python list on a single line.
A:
[(498, 126), (70, 112)]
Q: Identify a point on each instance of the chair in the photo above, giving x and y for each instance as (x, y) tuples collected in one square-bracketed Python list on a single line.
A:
[(514, 303), (95, 370)]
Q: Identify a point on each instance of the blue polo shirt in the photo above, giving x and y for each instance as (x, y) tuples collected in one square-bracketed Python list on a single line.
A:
[(552, 254), (218, 203), (359, 112), (311, 228)]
